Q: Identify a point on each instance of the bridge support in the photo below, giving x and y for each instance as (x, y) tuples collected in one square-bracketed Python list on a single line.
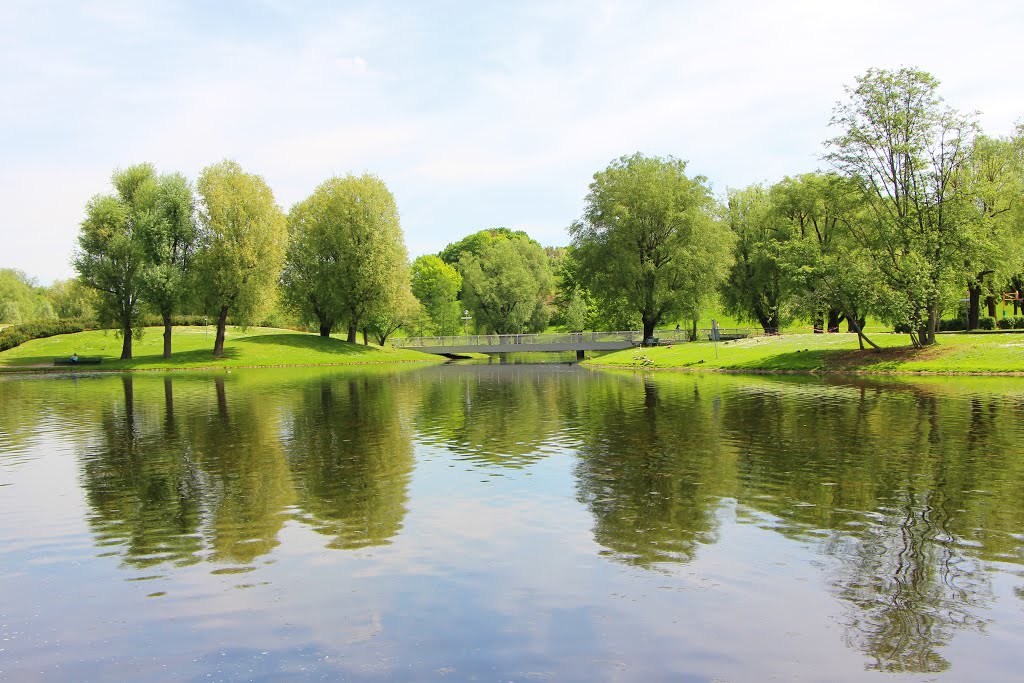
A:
[(580, 354)]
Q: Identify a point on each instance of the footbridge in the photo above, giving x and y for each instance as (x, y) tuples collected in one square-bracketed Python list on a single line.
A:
[(579, 342)]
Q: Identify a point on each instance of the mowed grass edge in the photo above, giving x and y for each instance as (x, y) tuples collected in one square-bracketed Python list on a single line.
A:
[(832, 353), (192, 348)]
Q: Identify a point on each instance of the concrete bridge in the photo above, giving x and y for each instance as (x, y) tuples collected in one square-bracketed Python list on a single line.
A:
[(579, 342)]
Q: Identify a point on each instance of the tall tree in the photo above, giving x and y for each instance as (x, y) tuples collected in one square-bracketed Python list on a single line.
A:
[(649, 238), (242, 244), (906, 149), (111, 252), (437, 285), (757, 286), (995, 176), (506, 285), (169, 240), (347, 256)]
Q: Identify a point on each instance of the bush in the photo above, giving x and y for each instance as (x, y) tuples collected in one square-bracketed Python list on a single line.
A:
[(1005, 323), (19, 334), (1018, 322), (955, 325), (987, 323), (901, 328)]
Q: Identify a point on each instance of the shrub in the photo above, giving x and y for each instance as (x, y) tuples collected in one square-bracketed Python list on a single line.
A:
[(987, 323), (19, 334), (1005, 323), (1018, 322), (955, 325)]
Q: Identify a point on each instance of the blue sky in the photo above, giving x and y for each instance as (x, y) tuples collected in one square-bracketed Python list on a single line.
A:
[(475, 114)]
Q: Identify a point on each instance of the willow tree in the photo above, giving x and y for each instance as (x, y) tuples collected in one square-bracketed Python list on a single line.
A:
[(506, 285), (649, 241), (169, 243), (242, 238), (111, 252), (907, 151), (346, 258)]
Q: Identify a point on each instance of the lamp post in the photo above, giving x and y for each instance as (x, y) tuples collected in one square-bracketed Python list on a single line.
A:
[(466, 317)]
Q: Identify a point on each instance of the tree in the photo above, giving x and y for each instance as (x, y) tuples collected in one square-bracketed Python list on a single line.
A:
[(995, 175), (72, 299), (648, 239), (906, 151), (169, 241), (346, 257), (757, 285), (242, 244), (437, 284), (111, 249), (403, 310), (506, 285)]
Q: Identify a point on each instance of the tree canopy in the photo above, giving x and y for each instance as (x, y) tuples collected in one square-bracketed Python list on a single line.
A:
[(242, 236), (648, 240)]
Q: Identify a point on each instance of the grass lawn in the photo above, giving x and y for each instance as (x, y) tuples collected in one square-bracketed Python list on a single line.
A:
[(974, 353), (193, 348)]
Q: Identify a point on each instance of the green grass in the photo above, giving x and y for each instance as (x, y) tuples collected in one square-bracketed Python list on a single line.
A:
[(193, 348), (955, 353)]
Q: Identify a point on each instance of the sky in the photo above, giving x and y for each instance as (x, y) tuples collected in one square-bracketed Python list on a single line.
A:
[(475, 114)]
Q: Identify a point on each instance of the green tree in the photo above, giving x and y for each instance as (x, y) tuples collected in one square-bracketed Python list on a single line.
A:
[(169, 240), (72, 299), (111, 252), (402, 311), (906, 150), (506, 285), (242, 238), (648, 239), (346, 259), (437, 285), (996, 178), (757, 286)]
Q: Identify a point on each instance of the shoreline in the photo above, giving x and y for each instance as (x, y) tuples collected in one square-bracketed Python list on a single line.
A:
[(768, 371), (83, 370)]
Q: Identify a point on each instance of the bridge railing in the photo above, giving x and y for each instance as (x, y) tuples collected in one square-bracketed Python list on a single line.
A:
[(567, 338)]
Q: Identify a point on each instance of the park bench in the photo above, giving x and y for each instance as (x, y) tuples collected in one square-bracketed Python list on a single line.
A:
[(728, 334), (80, 361)]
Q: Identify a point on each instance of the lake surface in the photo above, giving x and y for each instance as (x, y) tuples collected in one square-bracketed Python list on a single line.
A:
[(510, 523)]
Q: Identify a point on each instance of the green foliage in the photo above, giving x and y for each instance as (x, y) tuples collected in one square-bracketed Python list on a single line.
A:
[(242, 243), (648, 242), (346, 257), (757, 286), (111, 248), (403, 311), (19, 334), (986, 323), (907, 152), (506, 285), (437, 285), (72, 299), (21, 299), (169, 241), (472, 244)]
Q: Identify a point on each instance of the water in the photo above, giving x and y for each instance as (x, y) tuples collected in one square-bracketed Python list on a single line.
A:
[(509, 522)]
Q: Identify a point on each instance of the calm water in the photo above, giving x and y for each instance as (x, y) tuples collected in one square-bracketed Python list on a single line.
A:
[(509, 523)]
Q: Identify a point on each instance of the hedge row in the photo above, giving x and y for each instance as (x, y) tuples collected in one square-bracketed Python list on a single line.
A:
[(18, 334), (1013, 323)]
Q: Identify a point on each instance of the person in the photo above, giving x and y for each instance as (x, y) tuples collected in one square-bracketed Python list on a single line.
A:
[(74, 357)]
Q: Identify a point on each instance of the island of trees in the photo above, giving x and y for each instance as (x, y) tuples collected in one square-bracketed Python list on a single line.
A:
[(915, 222)]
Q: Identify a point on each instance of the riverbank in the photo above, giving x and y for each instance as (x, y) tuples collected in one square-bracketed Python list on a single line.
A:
[(832, 353), (193, 350)]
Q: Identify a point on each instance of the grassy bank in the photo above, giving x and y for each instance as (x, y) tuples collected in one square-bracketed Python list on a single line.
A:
[(955, 353), (193, 348)]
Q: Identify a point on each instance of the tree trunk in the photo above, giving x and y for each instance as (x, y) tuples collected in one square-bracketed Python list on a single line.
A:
[(366, 338), (222, 323), (974, 304), (835, 316), (648, 329), (353, 328), (693, 331), (991, 301), (126, 344), (325, 329), (167, 335)]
